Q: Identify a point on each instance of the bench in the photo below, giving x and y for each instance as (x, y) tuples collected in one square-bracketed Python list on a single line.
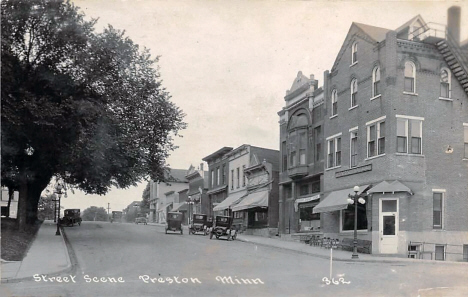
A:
[(363, 246)]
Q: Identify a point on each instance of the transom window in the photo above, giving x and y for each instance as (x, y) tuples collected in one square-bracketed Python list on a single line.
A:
[(376, 138), (376, 82), (409, 135), (354, 89), (334, 102), (445, 83), (353, 148), (410, 77), (354, 53), (334, 152)]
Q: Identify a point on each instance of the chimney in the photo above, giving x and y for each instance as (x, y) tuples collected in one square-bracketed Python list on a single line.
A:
[(453, 22), (201, 167)]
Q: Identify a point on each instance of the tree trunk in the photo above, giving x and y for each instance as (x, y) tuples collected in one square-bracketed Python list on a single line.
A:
[(22, 206), (11, 194), (29, 195)]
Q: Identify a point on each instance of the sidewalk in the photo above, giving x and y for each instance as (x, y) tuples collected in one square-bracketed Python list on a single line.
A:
[(48, 254), (338, 254)]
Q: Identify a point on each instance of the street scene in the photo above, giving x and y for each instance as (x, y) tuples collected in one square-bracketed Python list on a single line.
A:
[(248, 148)]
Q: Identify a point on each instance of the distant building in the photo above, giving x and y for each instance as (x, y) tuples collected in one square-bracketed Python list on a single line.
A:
[(12, 211)]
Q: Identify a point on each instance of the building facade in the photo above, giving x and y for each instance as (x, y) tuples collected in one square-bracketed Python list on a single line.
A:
[(396, 125), (301, 148), (197, 197)]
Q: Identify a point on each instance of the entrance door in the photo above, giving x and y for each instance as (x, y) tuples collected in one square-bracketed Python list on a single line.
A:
[(388, 226)]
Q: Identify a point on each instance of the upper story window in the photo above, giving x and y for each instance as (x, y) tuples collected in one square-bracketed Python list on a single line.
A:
[(284, 154), (318, 142), (409, 135), (376, 137), (354, 53), (437, 209), (354, 89), (243, 175), (410, 77), (334, 102), (298, 140), (238, 177), (218, 177), (376, 82), (224, 174), (212, 178), (445, 83), (353, 137), (465, 129), (232, 179), (334, 151)]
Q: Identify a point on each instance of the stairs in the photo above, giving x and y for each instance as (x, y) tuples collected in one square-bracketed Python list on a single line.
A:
[(456, 58)]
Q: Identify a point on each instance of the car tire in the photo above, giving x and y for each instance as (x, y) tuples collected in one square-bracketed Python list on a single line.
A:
[(181, 232), (211, 235)]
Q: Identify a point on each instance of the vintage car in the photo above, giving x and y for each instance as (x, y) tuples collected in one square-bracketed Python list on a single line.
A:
[(174, 222), (141, 220), (223, 227), (71, 217), (199, 224)]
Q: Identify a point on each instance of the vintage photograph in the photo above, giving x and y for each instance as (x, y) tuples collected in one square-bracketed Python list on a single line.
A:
[(234, 148)]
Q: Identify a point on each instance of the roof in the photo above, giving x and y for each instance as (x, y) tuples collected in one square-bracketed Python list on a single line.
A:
[(219, 153), (176, 175), (376, 33), (270, 155), (390, 187), (408, 23)]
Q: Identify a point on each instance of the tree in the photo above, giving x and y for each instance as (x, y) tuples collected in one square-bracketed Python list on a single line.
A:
[(94, 213), (145, 202), (46, 207), (88, 108)]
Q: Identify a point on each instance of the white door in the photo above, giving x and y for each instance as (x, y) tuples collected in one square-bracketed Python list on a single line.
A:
[(388, 225)]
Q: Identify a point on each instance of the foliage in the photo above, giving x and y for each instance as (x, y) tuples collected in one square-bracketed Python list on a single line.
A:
[(83, 106), (46, 207), (145, 202), (94, 213)]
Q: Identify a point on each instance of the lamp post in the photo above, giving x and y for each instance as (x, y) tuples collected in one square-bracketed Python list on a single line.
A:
[(355, 199), (58, 191), (190, 203)]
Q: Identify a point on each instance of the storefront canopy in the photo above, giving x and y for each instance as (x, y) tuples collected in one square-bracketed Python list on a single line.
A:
[(390, 187), (230, 200), (336, 200), (305, 200), (252, 200)]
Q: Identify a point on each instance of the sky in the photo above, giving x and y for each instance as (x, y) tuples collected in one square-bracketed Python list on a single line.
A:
[(228, 64)]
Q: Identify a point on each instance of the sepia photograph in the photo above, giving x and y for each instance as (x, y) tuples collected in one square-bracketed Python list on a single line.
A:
[(234, 148)]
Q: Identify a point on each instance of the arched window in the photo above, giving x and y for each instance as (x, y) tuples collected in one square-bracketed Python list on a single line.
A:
[(354, 53), (376, 82), (298, 140), (334, 102), (445, 83), (354, 89), (410, 77)]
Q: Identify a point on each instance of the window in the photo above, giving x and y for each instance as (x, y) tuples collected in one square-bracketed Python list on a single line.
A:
[(334, 101), (409, 135), (353, 148), (347, 217), (218, 177), (212, 178), (465, 253), (238, 177), (243, 175), (298, 135), (445, 87), (437, 199), (465, 129), (292, 149), (232, 179), (410, 77), (334, 152), (376, 138), (318, 143), (304, 190), (376, 82), (354, 53), (285, 156), (354, 89), (440, 252), (224, 174), (302, 146)]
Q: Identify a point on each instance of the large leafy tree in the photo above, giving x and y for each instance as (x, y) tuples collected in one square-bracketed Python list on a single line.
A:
[(82, 106), (94, 213)]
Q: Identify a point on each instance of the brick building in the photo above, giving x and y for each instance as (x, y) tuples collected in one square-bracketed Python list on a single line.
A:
[(396, 125), (197, 197)]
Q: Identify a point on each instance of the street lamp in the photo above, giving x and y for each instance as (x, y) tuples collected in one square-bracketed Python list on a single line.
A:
[(355, 199), (58, 191), (190, 202)]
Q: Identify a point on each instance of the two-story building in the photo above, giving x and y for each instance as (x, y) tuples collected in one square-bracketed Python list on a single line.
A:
[(396, 125), (197, 197)]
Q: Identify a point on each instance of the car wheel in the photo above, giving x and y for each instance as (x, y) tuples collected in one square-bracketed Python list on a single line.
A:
[(211, 235), (217, 236), (181, 231)]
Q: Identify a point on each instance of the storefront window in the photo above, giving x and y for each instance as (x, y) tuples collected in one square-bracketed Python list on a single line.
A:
[(347, 217)]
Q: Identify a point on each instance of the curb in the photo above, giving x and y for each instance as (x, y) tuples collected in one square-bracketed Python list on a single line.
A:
[(340, 259), (66, 269)]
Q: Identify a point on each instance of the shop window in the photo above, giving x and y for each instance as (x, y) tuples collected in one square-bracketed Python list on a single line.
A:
[(445, 83), (410, 77), (409, 135), (440, 252), (437, 199), (307, 214), (376, 138), (354, 90), (347, 217), (261, 216), (238, 215), (376, 82)]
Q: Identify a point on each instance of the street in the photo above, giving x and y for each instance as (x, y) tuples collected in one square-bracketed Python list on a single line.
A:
[(140, 260)]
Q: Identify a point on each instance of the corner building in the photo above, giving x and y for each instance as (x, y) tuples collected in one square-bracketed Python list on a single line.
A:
[(396, 125)]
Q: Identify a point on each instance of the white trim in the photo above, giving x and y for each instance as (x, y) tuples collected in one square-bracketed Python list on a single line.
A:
[(445, 99), (376, 120), (411, 94), (334, 116), (439, 190), (375, 97), (353, 64), (331, 168), (409, 117), (410, 155), (334, 136), (370, 158), (357, 127), (353, 107)]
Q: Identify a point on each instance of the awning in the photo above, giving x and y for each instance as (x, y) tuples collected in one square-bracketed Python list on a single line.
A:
[(180, 206), (390, 187), (229, 201), (255, 199), (336, 200), (304, 200)]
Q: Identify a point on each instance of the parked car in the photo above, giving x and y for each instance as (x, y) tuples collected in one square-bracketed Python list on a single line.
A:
[(199, 224), (223, 227), (174, 222), (141, 220), (71, 217)]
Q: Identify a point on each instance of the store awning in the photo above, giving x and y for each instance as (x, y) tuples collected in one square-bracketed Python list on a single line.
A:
[(229, 201), (255, 199), (390, 187), (180, 206), (336, 200), (304, 200)]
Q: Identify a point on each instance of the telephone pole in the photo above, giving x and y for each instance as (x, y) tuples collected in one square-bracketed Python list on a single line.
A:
[(108, 207)]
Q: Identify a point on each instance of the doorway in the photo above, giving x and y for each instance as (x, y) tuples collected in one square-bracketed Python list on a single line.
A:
[(388, 225)]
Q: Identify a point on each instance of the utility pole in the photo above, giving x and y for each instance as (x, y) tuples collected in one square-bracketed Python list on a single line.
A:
[(108, 207)]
